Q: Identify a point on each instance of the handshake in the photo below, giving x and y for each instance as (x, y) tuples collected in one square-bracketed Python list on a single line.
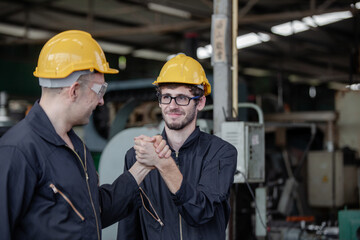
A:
[(151, 151)]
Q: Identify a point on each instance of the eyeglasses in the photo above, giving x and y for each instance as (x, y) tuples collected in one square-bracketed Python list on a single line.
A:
[(180, 100), (99, 89)]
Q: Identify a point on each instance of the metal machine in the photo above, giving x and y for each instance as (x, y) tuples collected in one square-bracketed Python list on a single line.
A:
[(5, 121), (249, 141)]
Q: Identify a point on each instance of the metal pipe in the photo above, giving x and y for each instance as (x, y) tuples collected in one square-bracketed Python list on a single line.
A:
[(235, 98), (243, 105)]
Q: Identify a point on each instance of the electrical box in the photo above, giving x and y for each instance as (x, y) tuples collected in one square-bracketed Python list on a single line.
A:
[(325, 179), (248, 139)]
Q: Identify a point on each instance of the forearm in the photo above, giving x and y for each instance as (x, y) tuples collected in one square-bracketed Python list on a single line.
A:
[(171, 174), (139, 171)]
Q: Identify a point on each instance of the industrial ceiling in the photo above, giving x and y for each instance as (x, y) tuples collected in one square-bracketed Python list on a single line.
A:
[(158, 28)]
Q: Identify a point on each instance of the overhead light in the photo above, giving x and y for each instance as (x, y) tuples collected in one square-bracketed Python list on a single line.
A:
[(289, 28), (284, 29), (251, 39), (22, 32), (298, 79), (296, 26), (328, 18), (115, 48), (256, 72), (36, 34), (169, 10), (30, 33), (242, 41), (150, 54), (170, 57), (247, 40), (309, 21), (204, 52), (353, 87)]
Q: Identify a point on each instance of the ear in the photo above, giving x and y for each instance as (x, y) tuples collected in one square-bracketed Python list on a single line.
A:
[(74, 91), (201, 103)]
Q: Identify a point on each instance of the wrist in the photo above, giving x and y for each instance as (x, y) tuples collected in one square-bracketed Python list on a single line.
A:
[(165, 164), (139, 171)]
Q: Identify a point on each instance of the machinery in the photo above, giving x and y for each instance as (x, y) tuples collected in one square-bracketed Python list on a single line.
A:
[(349, 224), (5, 121), (293, 192), (249, 140)]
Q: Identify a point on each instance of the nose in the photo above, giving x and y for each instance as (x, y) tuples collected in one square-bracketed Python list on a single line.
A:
[(173, 104), (101, 102)]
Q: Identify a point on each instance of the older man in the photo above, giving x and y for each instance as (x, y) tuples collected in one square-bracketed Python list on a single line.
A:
[(48, 182)]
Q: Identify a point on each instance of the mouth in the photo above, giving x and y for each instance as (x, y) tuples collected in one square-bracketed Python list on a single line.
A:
[(174, 114)]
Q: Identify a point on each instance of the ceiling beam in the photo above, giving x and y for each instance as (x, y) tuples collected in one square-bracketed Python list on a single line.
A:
[(12, 12), (188, 25), (96, 17), (155, 29), (287, 16)]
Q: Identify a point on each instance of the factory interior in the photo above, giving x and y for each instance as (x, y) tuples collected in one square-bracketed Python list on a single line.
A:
[(285, 79)]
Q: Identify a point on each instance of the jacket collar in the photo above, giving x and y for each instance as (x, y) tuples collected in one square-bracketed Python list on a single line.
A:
[(189, 141), (41, 124)]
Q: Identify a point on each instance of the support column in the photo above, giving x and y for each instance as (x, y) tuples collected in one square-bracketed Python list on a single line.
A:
[(221, 61)]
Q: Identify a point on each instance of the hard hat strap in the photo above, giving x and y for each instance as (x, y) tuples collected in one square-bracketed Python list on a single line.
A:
[(62, 82)]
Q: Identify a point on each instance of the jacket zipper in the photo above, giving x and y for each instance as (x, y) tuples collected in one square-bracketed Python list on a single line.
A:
[(88, 186), (180, 224), (55, 190), (181, 235)]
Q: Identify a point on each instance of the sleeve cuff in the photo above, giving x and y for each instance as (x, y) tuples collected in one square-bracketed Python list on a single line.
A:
[(180, 196), (132, 186)]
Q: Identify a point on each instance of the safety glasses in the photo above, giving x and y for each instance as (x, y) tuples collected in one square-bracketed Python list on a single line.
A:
[(99, 89)]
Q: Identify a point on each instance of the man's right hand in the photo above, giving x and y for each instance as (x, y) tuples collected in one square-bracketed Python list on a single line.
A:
[(161, 148), (150, 150)]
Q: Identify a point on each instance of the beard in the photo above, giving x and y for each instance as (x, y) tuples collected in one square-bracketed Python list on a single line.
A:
[(180, 125)]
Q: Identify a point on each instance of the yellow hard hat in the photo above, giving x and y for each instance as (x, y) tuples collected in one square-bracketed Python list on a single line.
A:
[(184, 69), (71, 51)]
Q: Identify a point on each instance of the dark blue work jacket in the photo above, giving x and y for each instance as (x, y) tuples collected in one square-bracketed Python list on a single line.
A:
[(200, 209), (49, 191)]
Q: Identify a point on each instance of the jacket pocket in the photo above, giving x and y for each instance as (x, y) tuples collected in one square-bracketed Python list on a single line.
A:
[(57, 191), (147, 205)]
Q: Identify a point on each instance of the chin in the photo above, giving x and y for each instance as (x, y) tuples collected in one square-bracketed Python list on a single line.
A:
[(82, 122), (85, 122), (175, 125)]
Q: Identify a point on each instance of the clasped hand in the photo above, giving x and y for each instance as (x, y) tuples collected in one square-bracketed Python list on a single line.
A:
[(150, 151)]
